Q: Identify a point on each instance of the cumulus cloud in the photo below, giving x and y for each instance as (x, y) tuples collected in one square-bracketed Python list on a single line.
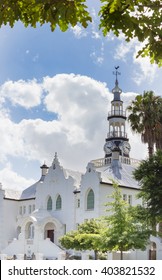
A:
[(24, 93), (11, 141), (76, 99), (79, 132), (12, 180)]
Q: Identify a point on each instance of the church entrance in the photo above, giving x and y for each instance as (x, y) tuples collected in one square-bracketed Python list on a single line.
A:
[(49, 231), (50, 234)]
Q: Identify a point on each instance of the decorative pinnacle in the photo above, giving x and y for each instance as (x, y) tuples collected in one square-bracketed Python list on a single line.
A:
[(116, 73), (56, 160), (56, 157)]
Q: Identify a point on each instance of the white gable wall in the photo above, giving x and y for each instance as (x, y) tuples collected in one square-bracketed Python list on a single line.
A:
[(55, 184), (89, 181)]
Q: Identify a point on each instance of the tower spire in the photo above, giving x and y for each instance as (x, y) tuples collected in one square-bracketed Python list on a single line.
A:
[(116, 90), (116, 73), (117, 140)]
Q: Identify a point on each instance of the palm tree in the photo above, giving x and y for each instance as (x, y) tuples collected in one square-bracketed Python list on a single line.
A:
[(159, 133), (146, 118)]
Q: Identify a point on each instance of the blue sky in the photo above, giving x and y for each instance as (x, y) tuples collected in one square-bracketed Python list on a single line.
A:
[(55, 92)]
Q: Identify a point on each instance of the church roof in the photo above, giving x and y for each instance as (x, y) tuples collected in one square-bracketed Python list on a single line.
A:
[(120, 173), (30, 192), (12, 194)]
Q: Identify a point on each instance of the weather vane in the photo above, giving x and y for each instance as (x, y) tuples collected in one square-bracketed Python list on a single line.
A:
[(116, 73)]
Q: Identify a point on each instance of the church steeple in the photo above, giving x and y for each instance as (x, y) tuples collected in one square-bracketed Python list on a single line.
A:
[(116, 90), (117, 140)]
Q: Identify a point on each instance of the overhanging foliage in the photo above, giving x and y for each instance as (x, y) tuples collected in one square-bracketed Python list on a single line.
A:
[(141, 19)]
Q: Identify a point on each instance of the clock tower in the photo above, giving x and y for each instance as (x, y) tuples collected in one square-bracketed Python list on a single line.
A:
[(117, 137)]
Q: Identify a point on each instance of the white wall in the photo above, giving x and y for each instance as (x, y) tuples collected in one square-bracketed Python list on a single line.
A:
[(89, 181), (55, 183), (1, 219), (107, 190), (9, 218)]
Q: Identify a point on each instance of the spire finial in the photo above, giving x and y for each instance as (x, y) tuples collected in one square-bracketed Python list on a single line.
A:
[(116, 73), (116, 90), (55, 161), (56, 157)]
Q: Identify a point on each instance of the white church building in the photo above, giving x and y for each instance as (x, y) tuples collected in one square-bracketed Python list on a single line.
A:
[(33, 220)]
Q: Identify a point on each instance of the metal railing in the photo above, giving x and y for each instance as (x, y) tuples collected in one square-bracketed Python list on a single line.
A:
[(116, 134), (116, 113)]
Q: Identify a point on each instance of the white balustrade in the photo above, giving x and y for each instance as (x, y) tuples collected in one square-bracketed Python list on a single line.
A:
[(107, 161)]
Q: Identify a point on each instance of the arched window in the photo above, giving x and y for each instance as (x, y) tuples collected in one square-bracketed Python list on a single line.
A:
[(30, 209), (90, 200), (49, 203), (58, 202)]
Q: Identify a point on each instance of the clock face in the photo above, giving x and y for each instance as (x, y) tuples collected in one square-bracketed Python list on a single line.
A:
[(108, 147), (126, 147)]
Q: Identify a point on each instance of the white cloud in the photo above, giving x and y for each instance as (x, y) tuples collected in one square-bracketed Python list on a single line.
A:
[(26, 94), (96, 34), (12, 180), (71, 95), (76, 99), (35, 58), (144, 70), (124, 48), (147, 70), (97, 58), (122, 51), (11, 141), (98, 55), (110, 36), (79, 32)]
